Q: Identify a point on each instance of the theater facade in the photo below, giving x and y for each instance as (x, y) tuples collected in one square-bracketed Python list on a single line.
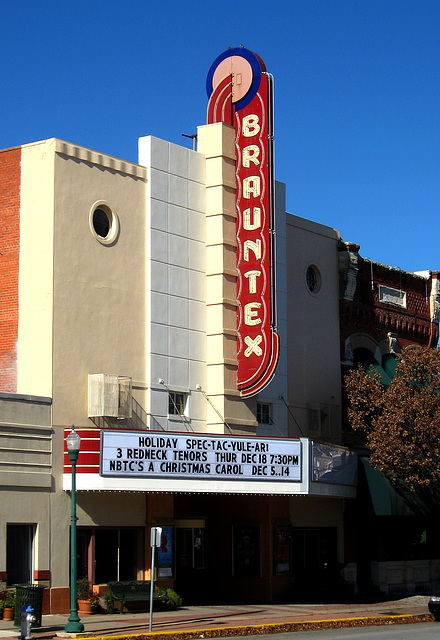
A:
[(188, 327)]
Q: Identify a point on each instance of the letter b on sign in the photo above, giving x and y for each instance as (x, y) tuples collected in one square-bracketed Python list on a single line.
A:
[(250, 126)]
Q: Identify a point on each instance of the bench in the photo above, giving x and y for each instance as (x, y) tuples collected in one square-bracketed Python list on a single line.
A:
[(133, 591)]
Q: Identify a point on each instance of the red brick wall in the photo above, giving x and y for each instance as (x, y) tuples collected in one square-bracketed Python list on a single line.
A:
[(10, 165), (368, 315)]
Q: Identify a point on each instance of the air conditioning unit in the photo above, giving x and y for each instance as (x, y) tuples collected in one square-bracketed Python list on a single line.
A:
[(109, 396)]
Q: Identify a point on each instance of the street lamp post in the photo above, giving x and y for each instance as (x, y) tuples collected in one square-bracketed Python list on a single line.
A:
[(74, 624)]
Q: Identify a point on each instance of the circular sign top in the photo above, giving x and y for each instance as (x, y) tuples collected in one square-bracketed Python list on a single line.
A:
[(241, 72), (245, 67)]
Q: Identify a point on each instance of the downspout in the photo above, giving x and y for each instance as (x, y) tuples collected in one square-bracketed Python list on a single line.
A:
[(434, 306)]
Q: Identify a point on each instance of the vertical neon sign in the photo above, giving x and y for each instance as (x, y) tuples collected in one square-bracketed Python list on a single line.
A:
[(241, 94)]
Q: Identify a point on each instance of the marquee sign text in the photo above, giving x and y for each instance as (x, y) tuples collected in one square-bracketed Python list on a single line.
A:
[(199, 456)]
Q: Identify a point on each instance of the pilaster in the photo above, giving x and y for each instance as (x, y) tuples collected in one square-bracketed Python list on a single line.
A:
[(217, 143)]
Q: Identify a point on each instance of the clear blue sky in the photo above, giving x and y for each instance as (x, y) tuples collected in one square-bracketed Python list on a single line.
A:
[(357, 96)]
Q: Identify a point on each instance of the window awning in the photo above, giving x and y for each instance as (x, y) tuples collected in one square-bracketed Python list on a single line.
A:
[(384, 377), (386, 371), (386, 500)]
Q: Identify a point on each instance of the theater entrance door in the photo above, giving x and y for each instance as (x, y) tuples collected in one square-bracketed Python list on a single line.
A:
[(190, 560)]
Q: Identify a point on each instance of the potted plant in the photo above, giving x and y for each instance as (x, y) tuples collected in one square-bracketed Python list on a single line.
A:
[(2, 606), (88, 602), (9, 607)]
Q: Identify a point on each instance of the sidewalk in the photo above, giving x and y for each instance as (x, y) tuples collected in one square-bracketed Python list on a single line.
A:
[(235, 620)]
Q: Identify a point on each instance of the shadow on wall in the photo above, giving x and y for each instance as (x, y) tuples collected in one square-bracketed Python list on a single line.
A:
[(138, 420)]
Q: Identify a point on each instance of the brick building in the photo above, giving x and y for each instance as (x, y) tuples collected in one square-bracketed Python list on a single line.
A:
[(383, 311)]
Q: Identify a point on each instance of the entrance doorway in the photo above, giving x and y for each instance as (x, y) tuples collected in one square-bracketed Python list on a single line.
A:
[(190, 560), (105, 554), (315, 560), (19, 553)]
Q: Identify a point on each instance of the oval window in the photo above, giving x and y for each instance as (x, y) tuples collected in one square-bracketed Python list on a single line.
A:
[(101, 223), (313, 279), (104, 223)]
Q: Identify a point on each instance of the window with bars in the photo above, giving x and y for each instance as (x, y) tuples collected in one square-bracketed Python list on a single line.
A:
[(263, 413), (176, 404)]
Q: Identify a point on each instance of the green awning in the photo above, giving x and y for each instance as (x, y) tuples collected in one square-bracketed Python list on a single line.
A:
[(389, 363), (384, 377), (386, 500), (386, 372)]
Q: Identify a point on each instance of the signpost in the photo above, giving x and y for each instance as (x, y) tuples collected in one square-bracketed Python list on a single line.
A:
[(156, 535)]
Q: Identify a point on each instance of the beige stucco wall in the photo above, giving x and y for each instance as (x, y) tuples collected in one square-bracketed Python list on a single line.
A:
[(319, 512), (312, 320), (34, 374), (130, 507), (25, 471), (99, 291), (26, 507), (99, 301)]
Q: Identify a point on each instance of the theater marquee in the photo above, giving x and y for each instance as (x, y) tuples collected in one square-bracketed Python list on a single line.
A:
[(241, 94), (199, 456), (163, 461)]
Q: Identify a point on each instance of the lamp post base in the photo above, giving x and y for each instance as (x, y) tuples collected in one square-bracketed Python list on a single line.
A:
[(74, 624)]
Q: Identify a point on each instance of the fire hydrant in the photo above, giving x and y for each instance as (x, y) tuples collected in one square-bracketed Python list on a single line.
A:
[(27, 618)]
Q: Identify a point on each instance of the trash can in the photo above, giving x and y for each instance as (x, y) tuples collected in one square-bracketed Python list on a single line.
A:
[(28, 594)]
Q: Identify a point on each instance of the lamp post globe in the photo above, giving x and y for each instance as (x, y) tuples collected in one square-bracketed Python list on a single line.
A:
[(73, 441), (74, 624)]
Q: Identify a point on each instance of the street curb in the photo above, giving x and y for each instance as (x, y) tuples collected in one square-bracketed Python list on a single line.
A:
[(269, 628)]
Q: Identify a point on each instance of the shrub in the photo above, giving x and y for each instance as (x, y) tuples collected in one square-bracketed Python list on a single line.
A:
[(174, 601), (10, 598), (94, 601), (109, 602)]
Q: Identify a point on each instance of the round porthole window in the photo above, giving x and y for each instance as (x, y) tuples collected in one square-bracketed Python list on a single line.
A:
[(104, 223), (313, 279)]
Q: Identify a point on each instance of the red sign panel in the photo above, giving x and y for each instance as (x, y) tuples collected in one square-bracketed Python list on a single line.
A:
[(241, 93)]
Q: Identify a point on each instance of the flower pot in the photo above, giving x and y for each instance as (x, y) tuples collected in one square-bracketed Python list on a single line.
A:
[(8, 613), (85, 606)]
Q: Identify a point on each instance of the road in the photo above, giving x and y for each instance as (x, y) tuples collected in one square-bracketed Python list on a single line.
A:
[(422, 630)]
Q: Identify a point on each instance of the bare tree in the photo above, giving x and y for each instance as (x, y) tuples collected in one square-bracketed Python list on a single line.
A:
[(402, 425)]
